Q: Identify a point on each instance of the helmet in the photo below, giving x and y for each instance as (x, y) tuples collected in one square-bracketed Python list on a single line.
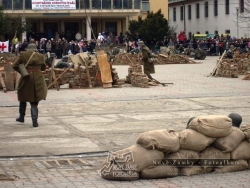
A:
[(32, 47), (236, 119), (141, 42)]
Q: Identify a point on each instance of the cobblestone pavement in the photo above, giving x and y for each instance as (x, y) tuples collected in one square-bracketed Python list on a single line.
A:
[(78, 127), (33, 173)]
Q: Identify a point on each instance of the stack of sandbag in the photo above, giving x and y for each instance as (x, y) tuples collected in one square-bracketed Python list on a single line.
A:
[(209, 144)]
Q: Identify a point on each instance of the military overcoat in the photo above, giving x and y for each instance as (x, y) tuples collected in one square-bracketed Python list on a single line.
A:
[(148, 67), (31, 88)]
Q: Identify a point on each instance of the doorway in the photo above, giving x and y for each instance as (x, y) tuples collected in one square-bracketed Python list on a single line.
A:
[(49, 30), (111, 27)]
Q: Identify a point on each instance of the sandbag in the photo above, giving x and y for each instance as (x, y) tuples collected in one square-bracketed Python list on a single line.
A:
[(161, 171), (192, 140), (140, 157), (242, 151), (127, 163), (118, 174), (194, 170), (234, 166), (212, 125), (162, 140), (212, 157), (230, 142), (246, 130), (183, 156)]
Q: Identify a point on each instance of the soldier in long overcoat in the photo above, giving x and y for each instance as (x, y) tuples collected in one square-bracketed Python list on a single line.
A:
[(148, 64), (31, 88)]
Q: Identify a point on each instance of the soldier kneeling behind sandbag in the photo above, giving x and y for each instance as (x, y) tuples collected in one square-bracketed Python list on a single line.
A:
[(63, 63)]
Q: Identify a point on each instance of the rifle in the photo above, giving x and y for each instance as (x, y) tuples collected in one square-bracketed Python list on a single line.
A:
[(163, 84)]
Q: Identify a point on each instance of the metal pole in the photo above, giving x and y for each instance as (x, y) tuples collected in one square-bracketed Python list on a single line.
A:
[(237, 14), (184, 17)]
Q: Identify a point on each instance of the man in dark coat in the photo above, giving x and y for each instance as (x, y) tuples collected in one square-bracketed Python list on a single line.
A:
[(148, 64), (31, 88)]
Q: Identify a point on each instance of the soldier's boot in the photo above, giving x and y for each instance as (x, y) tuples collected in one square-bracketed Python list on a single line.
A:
[(34, 116), (22, 110)]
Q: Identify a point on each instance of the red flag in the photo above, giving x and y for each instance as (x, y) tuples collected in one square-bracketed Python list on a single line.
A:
[(4, 46)]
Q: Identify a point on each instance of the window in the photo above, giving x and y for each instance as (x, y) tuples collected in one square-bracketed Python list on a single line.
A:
[(127, 4), (182, 11), (189, 12), (7, 4), (174, 14), (145, 5), (227, 6), (206, 32), (227, 31), (215, 7), (137, 4), (206, 9), (197, 32), (216, 32), (242, 8), (197, 10)]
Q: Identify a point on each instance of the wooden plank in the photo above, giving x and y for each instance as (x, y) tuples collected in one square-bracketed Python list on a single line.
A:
[(107, 85), (56, 83), (87, 70), (51, 71), (2, 83), (9, 79), (104, 67)]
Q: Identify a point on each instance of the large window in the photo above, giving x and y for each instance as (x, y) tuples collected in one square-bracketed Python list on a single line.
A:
[(145, 5), (215, 7), (106, 4), (206, 9), (182, 13), (242, 7), (189, 12), (7, 4), (137, 4), (18, 5), (227, 6), (197, 10), (127, 4), (28, 4), (174, 14), (96, 4)]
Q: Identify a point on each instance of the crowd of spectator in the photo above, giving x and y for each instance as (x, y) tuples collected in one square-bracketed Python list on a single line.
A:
[(66, 43)]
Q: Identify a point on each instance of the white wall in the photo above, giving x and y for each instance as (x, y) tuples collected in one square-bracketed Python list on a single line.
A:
[(212, 23)]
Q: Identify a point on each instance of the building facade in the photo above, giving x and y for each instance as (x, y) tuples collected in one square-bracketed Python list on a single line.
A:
[(209, 17), (78, 15)]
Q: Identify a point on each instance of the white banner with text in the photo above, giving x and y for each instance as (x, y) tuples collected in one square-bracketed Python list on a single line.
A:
[(53, 4)]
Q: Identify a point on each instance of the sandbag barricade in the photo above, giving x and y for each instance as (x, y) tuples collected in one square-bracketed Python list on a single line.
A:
[(210, 144)]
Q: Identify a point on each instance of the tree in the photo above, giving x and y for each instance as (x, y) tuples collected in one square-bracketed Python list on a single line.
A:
[(154, 26), (11, 26)]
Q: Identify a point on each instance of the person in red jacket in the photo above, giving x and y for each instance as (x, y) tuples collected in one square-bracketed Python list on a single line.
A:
[(181, 37)]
